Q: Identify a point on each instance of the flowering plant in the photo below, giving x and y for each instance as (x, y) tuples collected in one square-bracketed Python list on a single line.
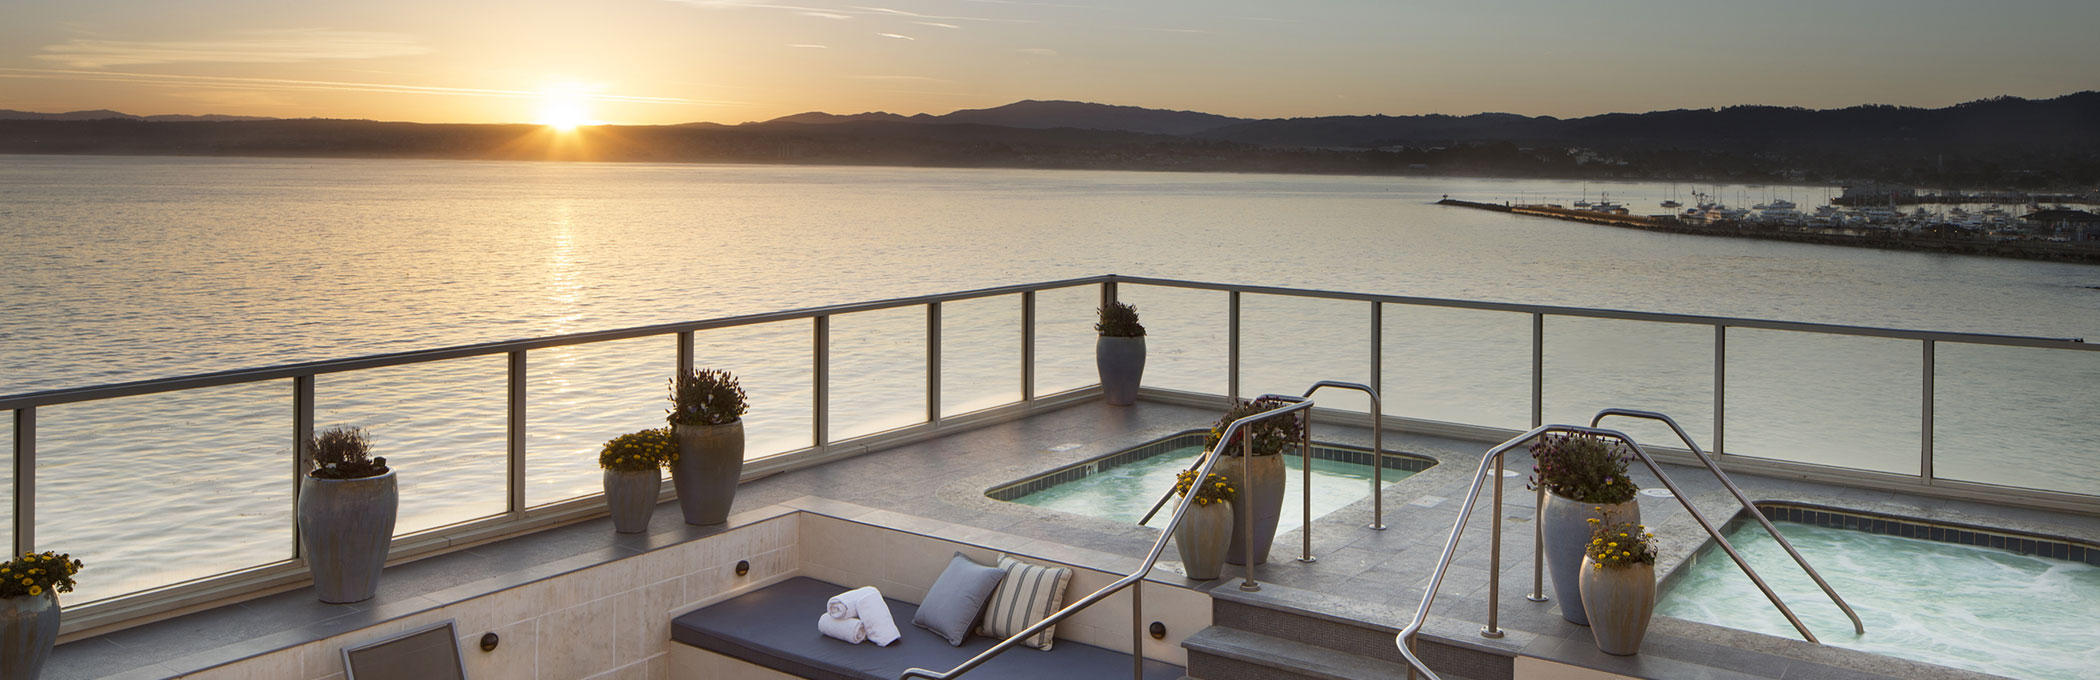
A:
[(638, 451), (1119, 320), (1214, 489), (1269, 436), (37, 573), (344, 453), (1619, 545), (1582, 467), (706, 397)]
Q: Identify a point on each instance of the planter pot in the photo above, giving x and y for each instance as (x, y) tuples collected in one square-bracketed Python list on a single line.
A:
[(1566, 526), (1202, 538), (710, 462), (1620, 601), (28, 629), (1262, 490), (1121, 362), (631, 496), (346, 526)]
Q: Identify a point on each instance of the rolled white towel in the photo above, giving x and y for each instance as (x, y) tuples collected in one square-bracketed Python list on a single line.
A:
[(866, 604), (850, 630), (841, 606)]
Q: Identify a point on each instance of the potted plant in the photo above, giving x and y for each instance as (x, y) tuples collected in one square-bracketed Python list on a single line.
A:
[(1120, 353), (1584, 476), (1618, 585), (1259, 478), (347, 503), (633, 464), (1206, 531), (707, 410), (29, 588)]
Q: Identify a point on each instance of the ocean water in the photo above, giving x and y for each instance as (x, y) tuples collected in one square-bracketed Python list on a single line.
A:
[(124, 268)]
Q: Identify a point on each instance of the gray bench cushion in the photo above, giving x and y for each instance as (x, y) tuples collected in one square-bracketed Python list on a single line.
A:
[(776, 627)]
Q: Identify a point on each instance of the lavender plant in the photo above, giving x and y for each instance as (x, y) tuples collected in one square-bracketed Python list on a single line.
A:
[(1582, 467)]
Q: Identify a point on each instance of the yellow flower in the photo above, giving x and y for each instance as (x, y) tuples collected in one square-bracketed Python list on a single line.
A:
[(1594, 520), (36, 590), (1613, 544)]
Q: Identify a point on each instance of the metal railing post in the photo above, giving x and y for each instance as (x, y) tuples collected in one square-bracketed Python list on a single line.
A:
[(1377, 417), (1137, 629), (1492, 630), (1247, 584), (302, 442), (1720, 386), (1538, 418), (933, 363), (25, 479), (1232, 346), (685, 351), (515, 479), (1925, 420), (1028, 346), (1305, 476), (820, 382), (1538, 369)]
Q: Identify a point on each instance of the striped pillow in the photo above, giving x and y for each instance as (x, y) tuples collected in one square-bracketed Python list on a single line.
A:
[(1027, 595)]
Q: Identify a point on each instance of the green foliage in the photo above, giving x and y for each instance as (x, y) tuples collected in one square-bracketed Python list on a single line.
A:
[(706, 397), (1619, 545), (1119, 320), (1215, 488), (638, 451), (343, 452), (1583, 468), (38, 573), (1270, 436)]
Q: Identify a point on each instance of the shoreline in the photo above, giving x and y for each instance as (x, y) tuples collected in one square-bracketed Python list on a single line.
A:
[(2025, 250)]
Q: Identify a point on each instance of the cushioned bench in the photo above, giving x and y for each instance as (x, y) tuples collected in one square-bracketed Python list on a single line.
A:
[(776, 627)]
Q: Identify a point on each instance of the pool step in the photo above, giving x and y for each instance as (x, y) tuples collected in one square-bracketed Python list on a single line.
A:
[(1269, 636), (1221, 653)]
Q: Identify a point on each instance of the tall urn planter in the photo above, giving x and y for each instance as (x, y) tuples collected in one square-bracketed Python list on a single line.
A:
[(1203, 539), (631, 496), (1620, 601), (1261, 489), (347, 505), (710, 462), (1119, 355), (1121, 363), (345, 529), (1566, 526), (28, 629)]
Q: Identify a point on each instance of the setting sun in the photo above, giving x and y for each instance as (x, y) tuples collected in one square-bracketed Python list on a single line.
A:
[(564, 108)]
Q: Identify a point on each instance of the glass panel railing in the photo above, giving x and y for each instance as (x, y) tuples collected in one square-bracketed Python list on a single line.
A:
[(579, 396), (980, 353), (2016, 416), (1458, 365), (1064, 338), (1842, 401), (163, 488), (1593, 364), (878, 371), (1287, 343), (7, 482), (1187, 336), (772, 363), (442, 426)]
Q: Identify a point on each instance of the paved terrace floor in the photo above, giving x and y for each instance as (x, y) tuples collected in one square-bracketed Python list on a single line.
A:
[(1361, 575)]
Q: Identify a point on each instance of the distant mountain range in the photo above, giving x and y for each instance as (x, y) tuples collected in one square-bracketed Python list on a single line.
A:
[(2002, 142), (106, 114)]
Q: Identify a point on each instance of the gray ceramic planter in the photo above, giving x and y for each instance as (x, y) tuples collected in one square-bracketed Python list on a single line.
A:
[(345, 528), (1202, 538), (1261, 487), (631, 496), (1566, 526), (1620, 602), (1121, 362), (28, 628), (710, 462)]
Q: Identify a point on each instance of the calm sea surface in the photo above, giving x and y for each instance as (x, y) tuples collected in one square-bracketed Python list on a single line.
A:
[(120, 269)]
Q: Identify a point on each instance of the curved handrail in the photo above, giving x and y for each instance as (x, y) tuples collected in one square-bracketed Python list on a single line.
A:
[(1135, 576), (1857, 627), (1377, 455), (1491, 460)]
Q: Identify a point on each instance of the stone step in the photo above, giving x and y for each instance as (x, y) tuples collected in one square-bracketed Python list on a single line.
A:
[(1221, 653), (1358, 638)]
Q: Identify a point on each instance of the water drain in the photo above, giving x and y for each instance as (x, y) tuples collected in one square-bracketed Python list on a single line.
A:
[(1658, 493)]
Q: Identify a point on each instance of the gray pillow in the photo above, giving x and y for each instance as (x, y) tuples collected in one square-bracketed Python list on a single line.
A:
[(957, 597)]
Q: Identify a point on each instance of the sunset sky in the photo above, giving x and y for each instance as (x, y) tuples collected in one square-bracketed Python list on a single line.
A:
[(672, 61)]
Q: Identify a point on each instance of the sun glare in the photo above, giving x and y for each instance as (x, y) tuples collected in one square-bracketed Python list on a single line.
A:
[(564, 109)]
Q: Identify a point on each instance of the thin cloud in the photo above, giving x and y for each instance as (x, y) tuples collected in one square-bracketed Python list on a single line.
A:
[(824, 15), (899, 37), (266, 84), (254, 47), (915, 15), (936, 24)]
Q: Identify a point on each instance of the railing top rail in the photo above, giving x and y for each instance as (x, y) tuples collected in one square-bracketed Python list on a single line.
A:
[(244, 375), (1627, 315), (1145, 567)]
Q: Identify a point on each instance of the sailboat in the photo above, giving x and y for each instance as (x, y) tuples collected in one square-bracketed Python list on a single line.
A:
[(1585, 202), (1672, 203)]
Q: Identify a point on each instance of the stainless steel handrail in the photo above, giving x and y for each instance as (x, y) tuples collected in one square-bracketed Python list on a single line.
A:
[(1377, 457), (1492, 460), (1135, 577), (1857, 627)]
